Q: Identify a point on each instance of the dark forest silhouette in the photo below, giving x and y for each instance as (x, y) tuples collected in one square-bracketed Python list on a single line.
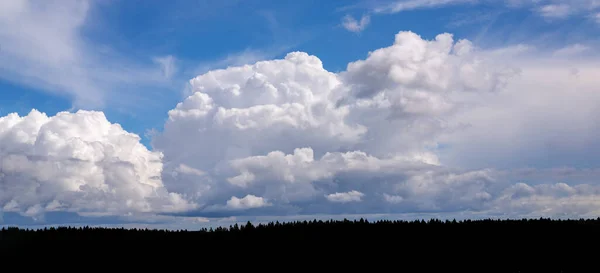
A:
[(502, 245)]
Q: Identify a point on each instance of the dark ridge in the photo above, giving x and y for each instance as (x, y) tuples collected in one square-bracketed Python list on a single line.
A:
[(527, 245)]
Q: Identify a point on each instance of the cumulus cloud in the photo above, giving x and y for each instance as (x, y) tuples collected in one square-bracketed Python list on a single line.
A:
[(421, 126), (78, 162), (293, 133), (344, 197), (248, 202), (353, 25), (289, 178), (432, 67), (274, 127), (555, 199)]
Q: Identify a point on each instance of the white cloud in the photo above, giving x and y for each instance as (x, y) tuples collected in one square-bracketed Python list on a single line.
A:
[(555, 10), (557, 199), (289, 178), (549, 9), (248, 202), (167, 64), (428, 68), (560, 9), (185, 169), (571, 50), (512, 51), (394, 199), (353, 25), (293, 133), (78, 162), (248, 118), (345, 197), (404, 5), (546, 116), (44, 47)]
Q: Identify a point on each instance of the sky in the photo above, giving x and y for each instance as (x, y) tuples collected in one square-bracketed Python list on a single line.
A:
[(187, 114)]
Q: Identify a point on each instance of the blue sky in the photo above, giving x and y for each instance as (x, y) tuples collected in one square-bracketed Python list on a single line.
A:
[(132, 61)]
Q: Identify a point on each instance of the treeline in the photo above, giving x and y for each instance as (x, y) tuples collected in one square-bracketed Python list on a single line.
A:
[(502, 245)]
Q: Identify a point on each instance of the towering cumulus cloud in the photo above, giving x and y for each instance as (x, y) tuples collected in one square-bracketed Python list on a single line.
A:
[(78, 162), (422, 125), (304, 140)]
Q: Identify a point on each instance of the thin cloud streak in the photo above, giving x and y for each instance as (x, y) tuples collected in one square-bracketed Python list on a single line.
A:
[(43, 47)]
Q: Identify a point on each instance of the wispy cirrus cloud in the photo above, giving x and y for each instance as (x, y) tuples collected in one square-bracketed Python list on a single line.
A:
[(388, 7), (354, 25), (571, 50), (44, 47), (596, 17), (548, 9), (405, 5), (559, 11)]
